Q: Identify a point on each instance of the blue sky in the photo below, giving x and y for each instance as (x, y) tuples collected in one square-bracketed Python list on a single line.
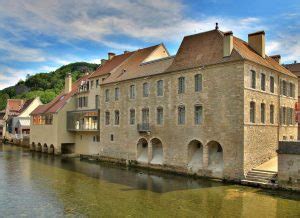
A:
[(40, 36)]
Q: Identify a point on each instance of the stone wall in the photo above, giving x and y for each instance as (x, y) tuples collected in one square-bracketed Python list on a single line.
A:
[(289, 165), (222, 101), (261, 139)]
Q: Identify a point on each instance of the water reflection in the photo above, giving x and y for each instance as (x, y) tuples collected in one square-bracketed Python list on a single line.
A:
[(38, 185), (133, 178)]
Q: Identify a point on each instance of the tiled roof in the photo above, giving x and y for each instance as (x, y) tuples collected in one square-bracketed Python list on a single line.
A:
[(14, 105), (247, 53), (26, 105), (110, 65), (57, 103), (207, 48), (133, 67), (294, 68)]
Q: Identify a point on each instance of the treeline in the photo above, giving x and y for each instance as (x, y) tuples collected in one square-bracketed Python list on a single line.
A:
[(44, 85)]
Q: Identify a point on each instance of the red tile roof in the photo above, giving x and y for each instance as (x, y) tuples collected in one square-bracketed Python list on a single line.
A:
[(14, 105), (57, 103), (132, 67), (110, 65)]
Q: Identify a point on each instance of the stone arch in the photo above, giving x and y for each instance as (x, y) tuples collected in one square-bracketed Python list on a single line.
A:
[(45, 148), (195, 155), (157, 151), (215, 156), (39, 147), (142, 150), (51, 149), (33, 146)]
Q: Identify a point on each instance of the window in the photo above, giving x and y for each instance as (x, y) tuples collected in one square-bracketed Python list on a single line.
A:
[(132, 92), (96, 138), (198, 83), (263, 82), (292, 90), (97, 83), (252, 112), (198, 114), (107, 118), (272, 84), (262, 113), (284, 88), (181, 114), (117, 117), (83, 101), (272, 114), (112, 137), (92, 84), (253, 79), (145, 116), (283, 115), (107, 95), (145, 89), (117, 93), (181, 85), (160, 115), (290, 115), (132, 117), (160, 88), (97, 101)]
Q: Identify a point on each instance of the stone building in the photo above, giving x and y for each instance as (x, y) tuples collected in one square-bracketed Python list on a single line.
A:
[(217, 108)]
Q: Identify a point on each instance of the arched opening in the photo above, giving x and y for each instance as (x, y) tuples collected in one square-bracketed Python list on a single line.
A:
[(195, 155), (33, 146), (142, 151), (45, 148), (51, 149), (39, 147), (157, 152), (215, 157)]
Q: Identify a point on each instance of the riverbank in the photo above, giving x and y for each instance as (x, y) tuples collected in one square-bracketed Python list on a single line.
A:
[(179, 171)]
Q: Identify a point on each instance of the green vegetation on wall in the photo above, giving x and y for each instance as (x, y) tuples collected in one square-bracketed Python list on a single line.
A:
[(45, 85)]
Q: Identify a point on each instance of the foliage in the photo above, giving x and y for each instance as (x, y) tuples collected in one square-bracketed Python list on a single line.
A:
[(44, 85)]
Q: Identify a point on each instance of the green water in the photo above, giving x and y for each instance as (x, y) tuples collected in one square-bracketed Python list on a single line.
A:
[(36, 185)]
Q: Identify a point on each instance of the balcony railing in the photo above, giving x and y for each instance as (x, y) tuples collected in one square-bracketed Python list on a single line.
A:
[(87, 120), (143, 127)]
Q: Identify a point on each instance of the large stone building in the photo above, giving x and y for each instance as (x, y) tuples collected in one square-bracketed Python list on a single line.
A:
[(217, 108)]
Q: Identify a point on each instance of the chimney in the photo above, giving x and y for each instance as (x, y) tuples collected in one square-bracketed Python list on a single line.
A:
[(111, 55), (227, 44), (68, 83), (103, 61), (257, 42), (276, 58)]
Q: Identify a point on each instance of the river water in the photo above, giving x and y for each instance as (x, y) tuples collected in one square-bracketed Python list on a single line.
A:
[(37, 185)]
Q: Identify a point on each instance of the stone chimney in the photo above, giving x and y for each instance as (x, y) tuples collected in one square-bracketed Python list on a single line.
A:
[(103, 61), (276, 58), (68, 83), (111, 55), (257, 42), (227, 44)]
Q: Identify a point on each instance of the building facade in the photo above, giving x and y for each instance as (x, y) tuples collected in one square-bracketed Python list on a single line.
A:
[(217, 108)]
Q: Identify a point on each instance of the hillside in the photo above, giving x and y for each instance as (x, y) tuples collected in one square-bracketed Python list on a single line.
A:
[(44, 85)]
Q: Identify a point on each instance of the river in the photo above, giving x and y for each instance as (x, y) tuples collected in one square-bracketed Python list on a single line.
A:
[(37, 185)]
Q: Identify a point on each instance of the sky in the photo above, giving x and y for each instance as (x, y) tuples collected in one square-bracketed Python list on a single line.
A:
[(42, 35)]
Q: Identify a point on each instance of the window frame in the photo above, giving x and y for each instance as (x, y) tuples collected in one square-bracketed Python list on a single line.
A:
[(181, 120)]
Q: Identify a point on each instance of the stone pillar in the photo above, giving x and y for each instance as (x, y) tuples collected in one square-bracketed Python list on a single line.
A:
[(150, 152), (205, 157)]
